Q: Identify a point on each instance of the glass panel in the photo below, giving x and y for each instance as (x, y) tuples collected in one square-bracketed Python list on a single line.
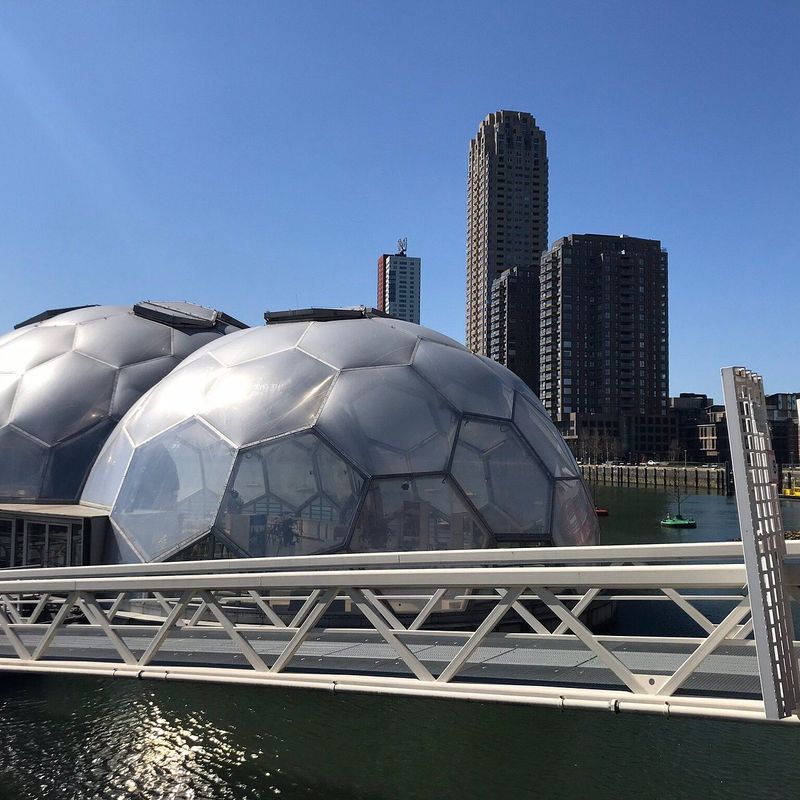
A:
[(464, 380), (76, 546), (422, 332), (117, 549), (70, 462), (8, 390), (176, 398), (259, 342), (19, 545), (5, 542), (506, 375), (266, 397), (57, 543), (62, 397), (295, 496), (34, 346), (21, 466), (502, 478), (123, 339), (416, 514), (107, 474), (348, 344), (389, 421), (542, 435), (186, 342), (133, 381), (173, 488), (34, 543), (574, 518), (205, 549)]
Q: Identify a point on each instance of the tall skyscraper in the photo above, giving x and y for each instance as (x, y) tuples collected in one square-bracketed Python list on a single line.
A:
[(506, 210), (398, 284), (603, 331), (514, 323)]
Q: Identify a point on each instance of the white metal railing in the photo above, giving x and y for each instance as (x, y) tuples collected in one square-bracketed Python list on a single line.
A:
[(290, 605)]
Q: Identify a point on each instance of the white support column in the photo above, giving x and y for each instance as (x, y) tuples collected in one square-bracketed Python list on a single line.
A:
[(756, 480)]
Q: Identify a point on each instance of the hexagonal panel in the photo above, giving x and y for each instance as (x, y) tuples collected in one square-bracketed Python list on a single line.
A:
[(574, 518), (178, 397), (502, 478), (123, 339), (349, 344), (464, 380), (21, 466), (36, 346), (260, 342), (266, 397), (542, 436), (135, 380), (173, 488), (106, 476), (63, 396), (416, 514), (389, 421), (292, 496)]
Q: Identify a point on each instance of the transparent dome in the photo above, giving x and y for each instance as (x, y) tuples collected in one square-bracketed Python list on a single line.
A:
[(66, 378), (359, 434)]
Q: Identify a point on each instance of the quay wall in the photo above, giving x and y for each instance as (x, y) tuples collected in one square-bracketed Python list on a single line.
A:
[(704, 479)]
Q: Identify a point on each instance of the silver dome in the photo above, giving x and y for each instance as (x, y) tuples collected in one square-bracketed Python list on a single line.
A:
[(360, 434), (68, 375)]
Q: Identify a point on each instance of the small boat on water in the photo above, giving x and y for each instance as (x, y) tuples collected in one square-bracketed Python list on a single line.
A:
[(677, 520), (793, 493), (601, 512)]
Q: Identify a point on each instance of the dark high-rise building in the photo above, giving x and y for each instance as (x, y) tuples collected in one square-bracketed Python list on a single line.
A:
[(514, 337), (603, 331), (506, 210)]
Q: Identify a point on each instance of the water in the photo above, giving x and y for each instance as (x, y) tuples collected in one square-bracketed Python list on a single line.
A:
[(81, 738)]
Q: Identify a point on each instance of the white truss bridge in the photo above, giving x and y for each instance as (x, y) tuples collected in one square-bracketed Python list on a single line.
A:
[(530, 621)]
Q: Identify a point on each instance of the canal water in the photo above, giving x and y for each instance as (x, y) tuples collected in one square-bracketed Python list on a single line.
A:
[(82, 738)]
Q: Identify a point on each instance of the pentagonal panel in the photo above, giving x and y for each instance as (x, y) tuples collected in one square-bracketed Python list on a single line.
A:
[(8, 390), (574, 517), (62, 397), (36, 346), (173, 488), (106, 475), (123, 339), (349, 344), (389, 421), (71, 460), (542, 436), (178, 397), (134, 380), (21, 466), (293, 496), (464, 380), (266, 397), (502, 478), (416, 514), (260, 342)]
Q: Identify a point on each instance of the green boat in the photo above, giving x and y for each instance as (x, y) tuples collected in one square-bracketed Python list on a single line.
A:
[(678, 520)]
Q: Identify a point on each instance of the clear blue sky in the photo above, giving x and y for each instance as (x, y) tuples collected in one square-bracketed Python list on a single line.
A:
[(259, 155)]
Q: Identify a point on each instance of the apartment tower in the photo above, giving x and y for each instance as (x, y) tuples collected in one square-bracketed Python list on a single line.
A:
[(603, 327), (506, 211), (398, 284)]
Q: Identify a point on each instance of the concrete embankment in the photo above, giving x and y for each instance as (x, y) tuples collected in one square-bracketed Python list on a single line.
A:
[(704, 479)]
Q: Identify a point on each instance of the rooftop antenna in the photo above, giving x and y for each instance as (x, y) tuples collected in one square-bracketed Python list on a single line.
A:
[(402, 246)]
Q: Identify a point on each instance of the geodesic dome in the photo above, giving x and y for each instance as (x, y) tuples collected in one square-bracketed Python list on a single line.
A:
[(359, 434), (66, 378)]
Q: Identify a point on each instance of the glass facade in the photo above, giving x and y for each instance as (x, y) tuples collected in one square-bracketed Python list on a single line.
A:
[(316, 437)]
